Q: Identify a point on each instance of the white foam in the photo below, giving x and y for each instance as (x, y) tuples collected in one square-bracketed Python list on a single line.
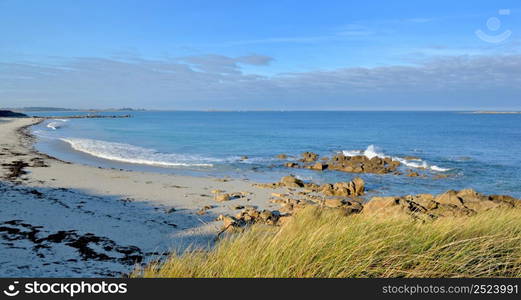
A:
[(135, 155), (439, 169), (56, 123), (372, 151)]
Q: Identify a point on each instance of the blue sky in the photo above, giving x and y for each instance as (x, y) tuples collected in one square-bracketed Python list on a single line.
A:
[(261, 54)]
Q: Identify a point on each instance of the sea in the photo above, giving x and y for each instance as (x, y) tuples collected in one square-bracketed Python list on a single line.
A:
[(479, 151)]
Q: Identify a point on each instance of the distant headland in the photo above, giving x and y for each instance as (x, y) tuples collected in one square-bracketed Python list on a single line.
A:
[(11, 114), (495, 112), (56, 109)]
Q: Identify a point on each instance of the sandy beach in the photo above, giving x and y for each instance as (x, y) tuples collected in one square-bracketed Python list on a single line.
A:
[(63, 219)]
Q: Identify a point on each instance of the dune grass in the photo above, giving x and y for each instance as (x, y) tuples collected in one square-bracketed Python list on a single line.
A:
[(323, 243)]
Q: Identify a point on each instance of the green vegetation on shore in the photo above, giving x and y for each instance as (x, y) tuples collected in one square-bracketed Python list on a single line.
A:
[(325, 243), (11, 114)]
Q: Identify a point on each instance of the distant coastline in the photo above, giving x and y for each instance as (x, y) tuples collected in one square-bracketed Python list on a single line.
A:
[(496, 112), (61, 109)]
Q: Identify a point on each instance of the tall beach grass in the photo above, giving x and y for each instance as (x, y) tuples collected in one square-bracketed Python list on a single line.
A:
[(324, 243)]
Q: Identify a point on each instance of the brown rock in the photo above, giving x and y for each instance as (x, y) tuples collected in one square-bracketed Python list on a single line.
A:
[(309, 157), (282, 156), (348, 169), (319, 166), (222, 197), (449, 197), (358, 186), (395, 207), (411, 158), (279, 195), (228, 221), (327, 189), (441, 176), (451, 203), (333, 203), (311, 187), (291, 181), (413, 174)]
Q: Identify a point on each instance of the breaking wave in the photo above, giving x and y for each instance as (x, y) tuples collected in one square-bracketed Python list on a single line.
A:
[(57, 123), (372, 151), (136, 155)]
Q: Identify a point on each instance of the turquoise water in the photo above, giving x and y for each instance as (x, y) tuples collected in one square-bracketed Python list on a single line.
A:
[(479, 151)]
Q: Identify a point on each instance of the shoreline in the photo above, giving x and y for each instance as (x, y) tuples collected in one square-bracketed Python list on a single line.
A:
[(64, 219), (91, 207)]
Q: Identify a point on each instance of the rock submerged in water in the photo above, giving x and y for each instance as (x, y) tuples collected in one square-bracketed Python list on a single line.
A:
[(319, 166), (412, 174), (427, 206), (309, 157)]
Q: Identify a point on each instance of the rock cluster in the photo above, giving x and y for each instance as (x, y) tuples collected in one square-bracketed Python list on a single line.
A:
[(341, 196), (291, 205), (247, 217), (340, 162), (354, 188), (427, 206)]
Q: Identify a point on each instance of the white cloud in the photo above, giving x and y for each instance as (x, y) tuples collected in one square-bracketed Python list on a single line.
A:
[(215, 81)]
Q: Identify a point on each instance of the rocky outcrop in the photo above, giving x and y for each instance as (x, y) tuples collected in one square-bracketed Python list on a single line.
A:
[(344, 197), (351, 164), (340, 196), (353, 188), (309, 157), (427, 206), (291, 181)]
